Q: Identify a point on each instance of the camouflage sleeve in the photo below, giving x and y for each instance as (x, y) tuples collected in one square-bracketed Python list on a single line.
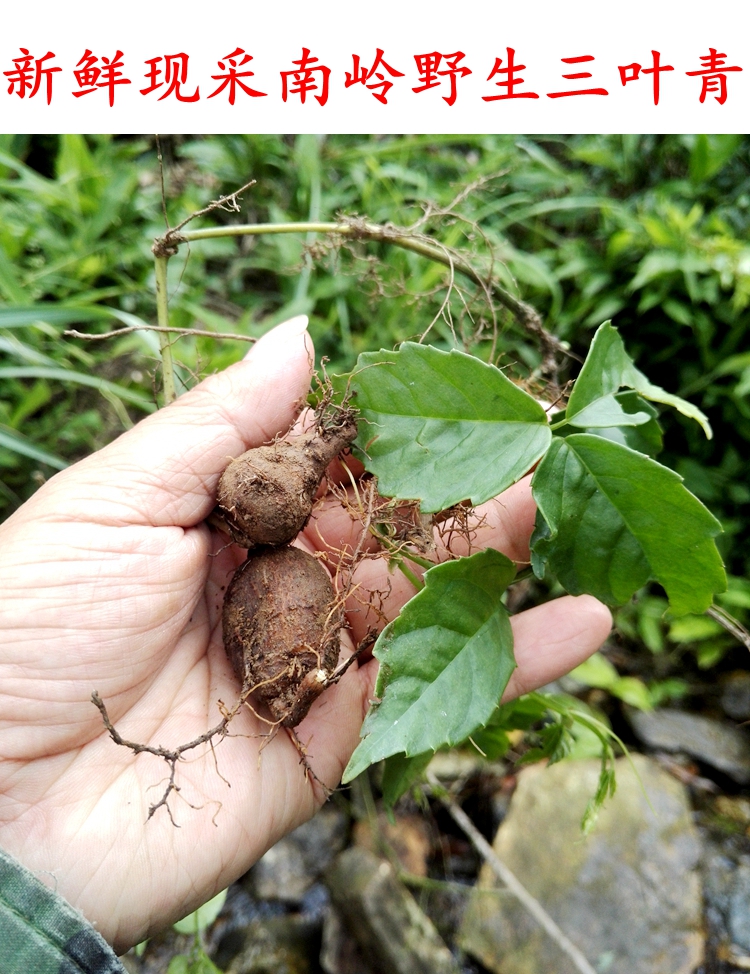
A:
[(41, 933)]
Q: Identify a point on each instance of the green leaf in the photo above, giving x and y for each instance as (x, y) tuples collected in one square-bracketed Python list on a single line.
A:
[(608, 411), (656, 394), (710, 153), (443, 427), (608, 368), (610, 519), (596, 671), (17, 443), (444, 662), (179, 965), (400, 773), (693, 629), (633, 691), (203, 917), (197, 963), (491, 742), (10, 286), (78, 378), (606, 788), (646, 438), (59, 314)]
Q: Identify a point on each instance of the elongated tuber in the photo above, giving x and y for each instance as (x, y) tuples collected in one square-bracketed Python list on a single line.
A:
[(281, 630)]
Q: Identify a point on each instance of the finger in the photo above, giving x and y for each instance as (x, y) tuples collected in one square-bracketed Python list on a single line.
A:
[(504, 523), (344, 468), (380, 590), (335, 528), (165, 470), (552, 639)]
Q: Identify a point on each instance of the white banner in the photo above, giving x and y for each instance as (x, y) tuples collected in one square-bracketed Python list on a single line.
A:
[(387, 66)]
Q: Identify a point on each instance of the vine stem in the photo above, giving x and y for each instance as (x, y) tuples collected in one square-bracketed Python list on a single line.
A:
[(508, 878), (414, 579), (358, 228), (162, 314), (728, 622)]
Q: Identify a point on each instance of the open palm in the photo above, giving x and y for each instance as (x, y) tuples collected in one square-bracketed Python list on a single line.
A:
[(112, 582)]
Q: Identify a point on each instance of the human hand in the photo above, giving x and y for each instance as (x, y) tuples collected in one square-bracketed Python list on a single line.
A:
[(113, 582)]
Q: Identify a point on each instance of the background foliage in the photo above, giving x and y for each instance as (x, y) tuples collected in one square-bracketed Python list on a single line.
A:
[(651, 231)]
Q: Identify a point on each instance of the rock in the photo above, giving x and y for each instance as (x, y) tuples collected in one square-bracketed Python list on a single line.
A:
[(408, 838), (382, 915), (340, 953), (628, 895), (683, 768), (739, 906), (228, 934), (734, 809), (722, 746), (727, 886), (288, 870), (735, 697), (279, 945), (281, 874)]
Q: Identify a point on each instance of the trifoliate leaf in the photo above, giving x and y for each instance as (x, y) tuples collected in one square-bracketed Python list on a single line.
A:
[(444, 662), (607, 369), (443, 427), (610, 519)]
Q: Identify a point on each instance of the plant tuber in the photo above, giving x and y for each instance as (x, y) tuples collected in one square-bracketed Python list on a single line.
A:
[(281, 630), (266, 495)]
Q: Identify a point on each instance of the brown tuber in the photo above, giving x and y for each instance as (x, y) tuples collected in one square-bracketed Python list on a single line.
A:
[(266, 495), (281, 630)]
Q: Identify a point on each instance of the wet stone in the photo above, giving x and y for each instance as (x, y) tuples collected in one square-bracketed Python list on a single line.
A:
[(628, 895), (720, 745), (392, 931), (288, 870), (340, 952), (408, 838), (279, 945), (735, 697), (727, 890)]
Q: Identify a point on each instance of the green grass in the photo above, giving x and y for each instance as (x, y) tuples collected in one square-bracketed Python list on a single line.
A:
[(649, 230)]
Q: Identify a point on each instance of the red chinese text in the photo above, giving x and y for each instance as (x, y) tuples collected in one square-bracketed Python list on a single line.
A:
[(231, 77), (713, 75), (302, 80), (89, 74), (510, 80), (174, 71), (429, 76), (630, 72), (361, 75), (575, 77), (28, 74)]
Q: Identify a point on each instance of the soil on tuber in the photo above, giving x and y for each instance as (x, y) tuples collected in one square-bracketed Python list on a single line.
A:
[(281, 630), (266, 495)]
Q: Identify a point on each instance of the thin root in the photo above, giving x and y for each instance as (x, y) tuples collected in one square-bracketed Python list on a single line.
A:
[(171, 756)]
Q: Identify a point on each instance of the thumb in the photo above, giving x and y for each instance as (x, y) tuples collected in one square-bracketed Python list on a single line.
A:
[(164, 471)]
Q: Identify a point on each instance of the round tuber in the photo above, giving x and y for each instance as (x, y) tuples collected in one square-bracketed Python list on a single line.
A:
[(266, 495), (281, 630)]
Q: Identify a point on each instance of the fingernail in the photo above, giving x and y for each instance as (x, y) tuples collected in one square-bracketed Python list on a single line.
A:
[(283, 332)]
